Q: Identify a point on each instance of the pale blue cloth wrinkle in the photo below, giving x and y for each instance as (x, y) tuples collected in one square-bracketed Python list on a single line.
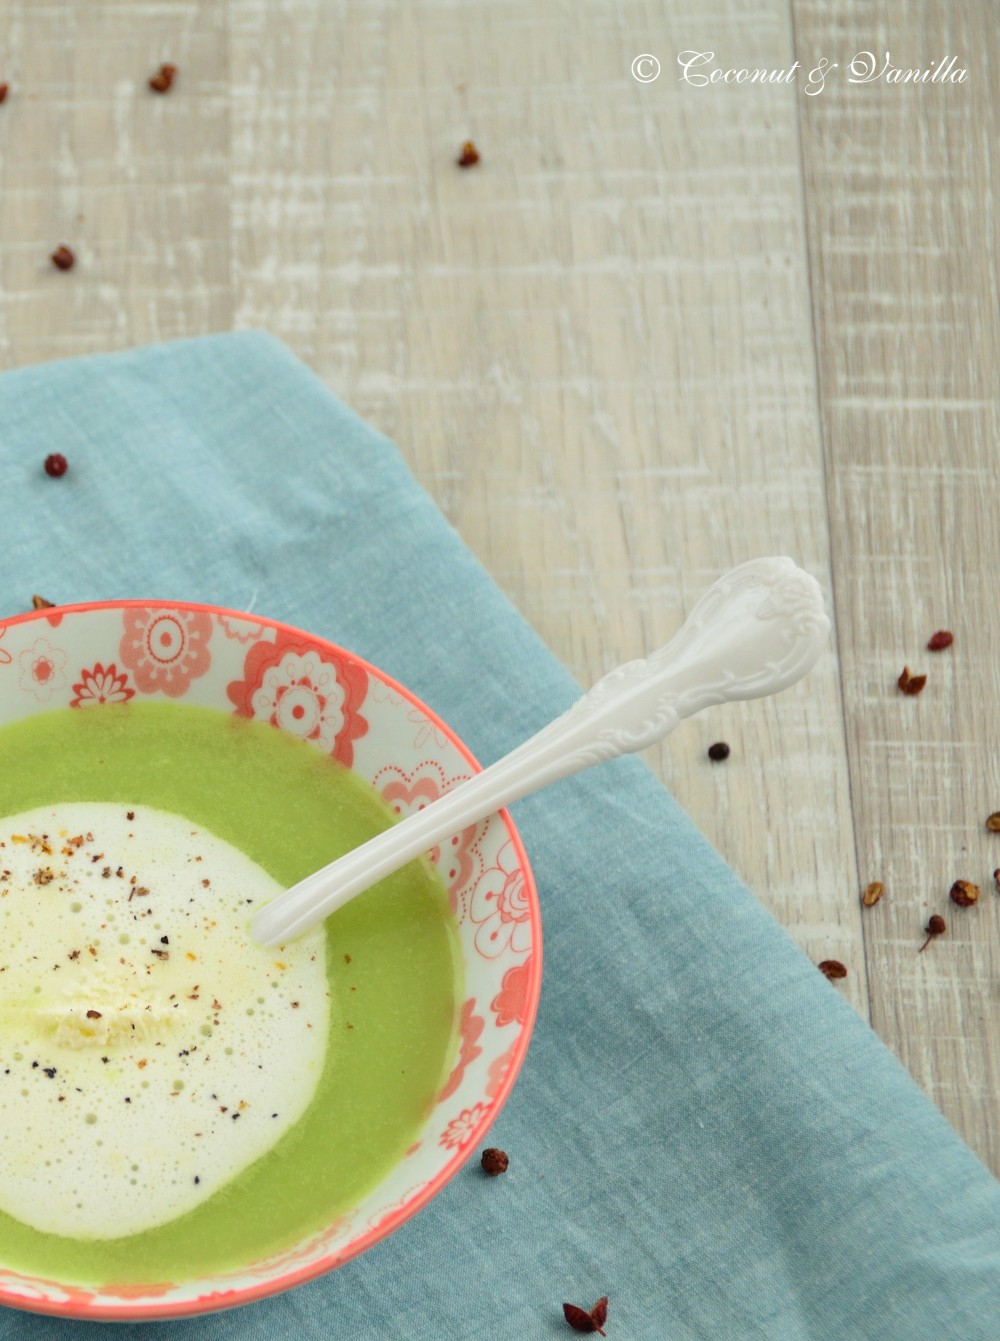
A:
[(703, 1130)]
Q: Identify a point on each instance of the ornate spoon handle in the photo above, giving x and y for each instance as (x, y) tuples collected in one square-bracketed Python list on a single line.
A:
[(755, 631)]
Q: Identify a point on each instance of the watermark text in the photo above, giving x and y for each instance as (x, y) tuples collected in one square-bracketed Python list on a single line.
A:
[(700, 69)]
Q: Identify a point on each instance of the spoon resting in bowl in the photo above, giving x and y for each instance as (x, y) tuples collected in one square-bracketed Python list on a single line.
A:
[(756, 631)]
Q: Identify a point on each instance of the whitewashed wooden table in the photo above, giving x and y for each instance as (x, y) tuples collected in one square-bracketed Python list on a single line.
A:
[(657, 330)]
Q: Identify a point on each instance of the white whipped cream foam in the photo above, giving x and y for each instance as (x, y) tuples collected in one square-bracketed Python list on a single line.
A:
[(149, 1049)]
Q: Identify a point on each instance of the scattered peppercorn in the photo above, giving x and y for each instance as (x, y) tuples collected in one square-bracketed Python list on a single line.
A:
[(4, 90), (832, 969), (40, 603), (964, 893), (495, 1161), (56, 465), (937, 926), (909, 683), (940, 640), (62, 258), (718, 752), (163, 79), (130, 814), (469, 156), (993, 822), (873, 893), (996, 878), (582, 1321)]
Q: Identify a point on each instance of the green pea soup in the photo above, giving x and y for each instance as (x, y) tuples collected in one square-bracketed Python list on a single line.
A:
[(393, 969)]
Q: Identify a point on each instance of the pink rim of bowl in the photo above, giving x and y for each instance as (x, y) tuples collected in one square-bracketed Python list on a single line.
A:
[(113, 651)]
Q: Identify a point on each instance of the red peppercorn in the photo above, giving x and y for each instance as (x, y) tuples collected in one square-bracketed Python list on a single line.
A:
[(4, 90), (494, 1161), (964, 893), (62, 258), (911, 684), (873, 893), (163, 79), (935, 927), (940, 640), (832, 969), (56, 465), (583, 1321), (469, 156)]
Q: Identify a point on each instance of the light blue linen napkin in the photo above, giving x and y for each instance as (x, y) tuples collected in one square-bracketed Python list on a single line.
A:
[(703, 1131)]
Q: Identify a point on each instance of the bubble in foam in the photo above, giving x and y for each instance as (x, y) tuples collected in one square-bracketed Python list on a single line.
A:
[(121, 1028)]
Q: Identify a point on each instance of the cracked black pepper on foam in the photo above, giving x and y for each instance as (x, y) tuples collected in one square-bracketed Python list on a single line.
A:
[(149, 1049)]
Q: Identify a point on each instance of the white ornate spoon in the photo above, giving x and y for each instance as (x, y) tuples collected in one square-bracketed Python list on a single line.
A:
[(756, 631)]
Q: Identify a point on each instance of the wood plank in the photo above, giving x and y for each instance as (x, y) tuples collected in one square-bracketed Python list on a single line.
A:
[(899, 182), (135, 183), (594, 348)]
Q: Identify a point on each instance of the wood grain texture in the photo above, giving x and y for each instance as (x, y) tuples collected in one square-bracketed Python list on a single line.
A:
[(135, 183), (899, 184), (598, 351), (594, 348)]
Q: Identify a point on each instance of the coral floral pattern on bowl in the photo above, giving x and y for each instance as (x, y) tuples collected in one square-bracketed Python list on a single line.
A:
[(43, 670), (166, 649), (243, 630), (470, 1026), (501, 907), (310, 693), (499, 1070), (121, 652), (461, 1130), (101, 684), (510, 1005), (460, 860)]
